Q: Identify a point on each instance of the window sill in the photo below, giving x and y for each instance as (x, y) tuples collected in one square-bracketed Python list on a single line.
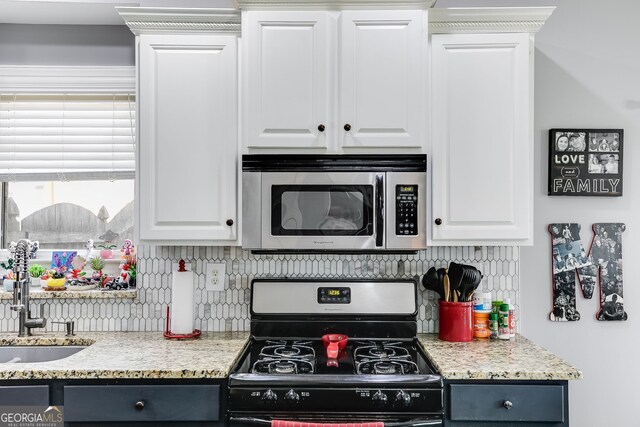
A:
[(38, 294)]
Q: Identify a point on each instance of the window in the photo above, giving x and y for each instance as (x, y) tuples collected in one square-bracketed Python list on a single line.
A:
[(67, 147), (64, 215)]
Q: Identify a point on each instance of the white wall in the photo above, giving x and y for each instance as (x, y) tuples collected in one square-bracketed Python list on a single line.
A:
[(587, 75), (66, 45)]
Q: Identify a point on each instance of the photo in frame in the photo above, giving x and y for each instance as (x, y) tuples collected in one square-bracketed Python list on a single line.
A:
[(585, 162)]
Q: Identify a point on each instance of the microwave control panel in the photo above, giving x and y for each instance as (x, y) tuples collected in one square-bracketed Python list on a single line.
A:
[(406, 210)]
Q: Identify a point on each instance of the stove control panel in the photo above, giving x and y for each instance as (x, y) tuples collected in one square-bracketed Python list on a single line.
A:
[(303, 399), (334, 295), (406, 210)]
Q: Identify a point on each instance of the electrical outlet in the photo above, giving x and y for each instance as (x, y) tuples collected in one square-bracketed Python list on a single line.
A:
[(215, 276)]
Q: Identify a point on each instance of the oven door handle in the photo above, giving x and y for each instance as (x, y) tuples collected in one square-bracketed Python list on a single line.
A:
[(249, 421), (414, 423), (379, 187), (262, 422)]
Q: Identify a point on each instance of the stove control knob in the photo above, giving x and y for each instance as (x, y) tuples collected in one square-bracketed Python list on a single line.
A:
[(403, 398), (379, 398), (269, 396), (292, 396)]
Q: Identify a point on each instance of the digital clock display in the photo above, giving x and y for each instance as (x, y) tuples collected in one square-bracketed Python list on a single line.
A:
[(334, 295), (407, 188)]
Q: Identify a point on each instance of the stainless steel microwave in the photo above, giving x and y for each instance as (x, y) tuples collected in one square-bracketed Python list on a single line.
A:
[(334, 202)]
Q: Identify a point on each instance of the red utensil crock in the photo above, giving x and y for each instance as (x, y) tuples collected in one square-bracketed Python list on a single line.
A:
[(334, 343), (456, 321)]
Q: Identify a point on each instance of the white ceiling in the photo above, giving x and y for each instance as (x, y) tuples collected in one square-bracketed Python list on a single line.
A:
[(102, 12), (85, 12)]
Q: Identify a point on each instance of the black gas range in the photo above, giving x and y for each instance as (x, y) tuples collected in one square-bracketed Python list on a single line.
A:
[(380, 376)]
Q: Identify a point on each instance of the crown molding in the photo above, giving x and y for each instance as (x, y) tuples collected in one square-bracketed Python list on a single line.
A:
[(488, 20), (67, 79), (334, 4), (142, 20)]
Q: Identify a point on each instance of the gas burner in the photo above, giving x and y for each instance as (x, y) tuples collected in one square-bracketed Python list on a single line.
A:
[(281, 366), (392, 367), (385, 368), (382, 352), (285, 357), (383, 358), (287, 351)]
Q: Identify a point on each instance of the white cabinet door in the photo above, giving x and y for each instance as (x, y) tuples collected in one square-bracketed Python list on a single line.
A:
[(382, 79), (482, 147), (187, 154), (286, 80)]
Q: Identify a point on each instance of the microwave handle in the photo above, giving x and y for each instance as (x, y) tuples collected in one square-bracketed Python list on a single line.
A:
[(379, 196)]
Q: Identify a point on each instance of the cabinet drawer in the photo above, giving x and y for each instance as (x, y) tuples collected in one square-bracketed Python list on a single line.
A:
[(529, 403), (24, 395), (159, 403)]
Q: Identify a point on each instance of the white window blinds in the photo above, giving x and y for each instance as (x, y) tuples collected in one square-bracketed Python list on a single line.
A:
[(58, 136)]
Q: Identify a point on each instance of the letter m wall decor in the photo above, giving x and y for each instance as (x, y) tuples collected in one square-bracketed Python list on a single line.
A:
[(602, 264)]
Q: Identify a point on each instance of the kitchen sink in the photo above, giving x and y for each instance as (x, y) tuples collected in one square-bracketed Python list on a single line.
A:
[(37, 353)]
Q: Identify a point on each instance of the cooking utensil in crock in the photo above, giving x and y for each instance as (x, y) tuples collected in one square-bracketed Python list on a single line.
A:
[(430, 282), (441, 272), (334, 343), (447, 288)]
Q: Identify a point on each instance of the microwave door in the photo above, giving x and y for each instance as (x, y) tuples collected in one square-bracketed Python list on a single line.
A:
[(319, 211)]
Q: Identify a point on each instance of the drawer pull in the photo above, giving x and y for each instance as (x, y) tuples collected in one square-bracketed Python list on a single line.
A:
[(507, 405), (140, 405)]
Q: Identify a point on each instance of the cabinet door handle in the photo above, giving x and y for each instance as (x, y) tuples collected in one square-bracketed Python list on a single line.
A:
[(438, 221), (321, 128), (347, 127), (229, 222), (140, 405), (507, 405)]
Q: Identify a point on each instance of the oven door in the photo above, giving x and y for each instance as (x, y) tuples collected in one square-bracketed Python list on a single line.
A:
[(389, 421), (323, 210)]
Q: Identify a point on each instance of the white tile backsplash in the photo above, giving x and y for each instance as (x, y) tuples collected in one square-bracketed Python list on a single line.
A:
[(229, 310)]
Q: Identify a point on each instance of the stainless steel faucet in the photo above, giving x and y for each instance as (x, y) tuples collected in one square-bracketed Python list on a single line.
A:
[(22, 252)]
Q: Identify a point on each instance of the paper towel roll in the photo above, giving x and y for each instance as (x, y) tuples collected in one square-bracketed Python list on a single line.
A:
[(182, 302)]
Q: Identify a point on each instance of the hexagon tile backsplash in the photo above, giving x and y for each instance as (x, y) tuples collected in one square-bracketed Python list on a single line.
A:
[(229, 310)]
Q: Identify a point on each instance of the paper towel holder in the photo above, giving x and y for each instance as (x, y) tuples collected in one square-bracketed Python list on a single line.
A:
[(167, 330), (171, 336)]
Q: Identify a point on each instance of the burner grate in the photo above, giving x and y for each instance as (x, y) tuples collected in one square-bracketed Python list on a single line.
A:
[(383, 358), (285, 357)]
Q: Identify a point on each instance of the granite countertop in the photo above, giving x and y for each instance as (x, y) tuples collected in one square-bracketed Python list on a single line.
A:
[(148, 355), (129, 355), (516, 359)]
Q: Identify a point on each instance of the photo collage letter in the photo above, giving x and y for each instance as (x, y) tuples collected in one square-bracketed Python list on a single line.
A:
[(601, 263)]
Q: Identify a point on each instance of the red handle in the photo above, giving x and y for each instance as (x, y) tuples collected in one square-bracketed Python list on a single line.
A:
[(285, 423), (332, 350)]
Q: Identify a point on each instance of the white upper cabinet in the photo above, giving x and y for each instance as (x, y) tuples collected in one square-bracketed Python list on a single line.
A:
[(334, 81), (482, 135), (286, 78), (187, 147), (382, 79)]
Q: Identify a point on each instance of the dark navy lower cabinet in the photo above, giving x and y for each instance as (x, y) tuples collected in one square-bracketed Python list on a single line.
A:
[(141, 403), (24, 395), (127, 402), (506, 403)]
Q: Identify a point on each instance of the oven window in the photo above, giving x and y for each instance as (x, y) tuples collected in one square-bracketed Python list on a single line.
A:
[(322, 210)]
